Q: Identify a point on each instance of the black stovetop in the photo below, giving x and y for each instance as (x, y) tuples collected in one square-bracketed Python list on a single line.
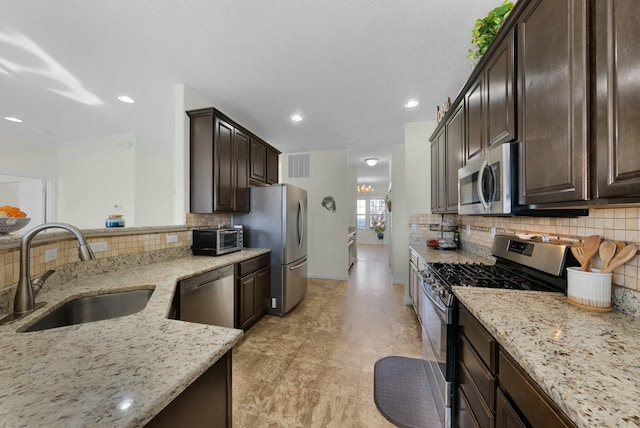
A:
[(490, 276)]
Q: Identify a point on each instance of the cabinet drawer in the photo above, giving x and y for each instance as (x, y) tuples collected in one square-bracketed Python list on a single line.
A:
[(252, 265), (413, 257), (484, 344), (481, 378), (465, 418), (527, 396), (476, 404)]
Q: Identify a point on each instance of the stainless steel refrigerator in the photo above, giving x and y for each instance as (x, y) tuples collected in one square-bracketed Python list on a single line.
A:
[(278, 220)]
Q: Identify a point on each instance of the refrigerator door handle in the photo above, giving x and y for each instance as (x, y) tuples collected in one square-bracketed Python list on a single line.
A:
[(300, 223), (299, 265)]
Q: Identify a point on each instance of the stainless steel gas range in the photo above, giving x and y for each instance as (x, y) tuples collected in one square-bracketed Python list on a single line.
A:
[(520, 264)]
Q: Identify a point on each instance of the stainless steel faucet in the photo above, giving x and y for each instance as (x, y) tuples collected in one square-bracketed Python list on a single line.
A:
[(28, 288)]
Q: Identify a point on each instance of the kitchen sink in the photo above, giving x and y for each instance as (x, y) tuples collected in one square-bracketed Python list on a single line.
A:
[(94, 308)]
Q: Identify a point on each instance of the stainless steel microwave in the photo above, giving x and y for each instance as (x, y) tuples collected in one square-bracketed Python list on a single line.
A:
[(215, 242), (485, 183)]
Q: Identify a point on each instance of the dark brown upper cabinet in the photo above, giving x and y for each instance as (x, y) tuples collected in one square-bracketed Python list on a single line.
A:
[(500, 98), (219, 163), (553, 102), (490, 102), (438, 188), (264, 163), (616, 116), (273, 157), (454, 156), (475, 116)]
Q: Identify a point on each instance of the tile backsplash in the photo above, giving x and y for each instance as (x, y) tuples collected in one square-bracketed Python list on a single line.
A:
[(610, 223)]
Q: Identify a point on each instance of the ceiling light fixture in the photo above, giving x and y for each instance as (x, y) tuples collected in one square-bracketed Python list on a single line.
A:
[(371, 161), (296, 118), (411, 104), (364, 189), (126, 99), (13, 119)]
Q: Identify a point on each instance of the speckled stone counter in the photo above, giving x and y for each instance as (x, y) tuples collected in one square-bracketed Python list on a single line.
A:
[(431, 255), (119, 372), (587, 362)]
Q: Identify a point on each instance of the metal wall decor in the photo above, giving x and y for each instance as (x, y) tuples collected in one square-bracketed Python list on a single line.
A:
[(329, 203)]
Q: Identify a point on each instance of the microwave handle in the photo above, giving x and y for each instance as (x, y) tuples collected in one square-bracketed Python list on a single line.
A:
[(485, 166)]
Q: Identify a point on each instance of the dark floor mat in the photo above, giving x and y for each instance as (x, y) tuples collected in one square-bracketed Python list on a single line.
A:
[(402, 392)]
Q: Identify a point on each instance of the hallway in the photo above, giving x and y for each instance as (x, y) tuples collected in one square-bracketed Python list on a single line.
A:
[(314, 367)]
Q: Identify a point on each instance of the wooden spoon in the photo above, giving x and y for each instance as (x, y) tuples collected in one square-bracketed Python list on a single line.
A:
[(591, 245), (619, 246), (607, 251), (621, 258)]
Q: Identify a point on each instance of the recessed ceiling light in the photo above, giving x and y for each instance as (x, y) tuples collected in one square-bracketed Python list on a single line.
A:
[(296, 118), (13, 119), (371, 161), (411, 103), (126, 99)]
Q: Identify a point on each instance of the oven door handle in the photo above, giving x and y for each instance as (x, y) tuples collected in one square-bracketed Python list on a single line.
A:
[(445, 314)]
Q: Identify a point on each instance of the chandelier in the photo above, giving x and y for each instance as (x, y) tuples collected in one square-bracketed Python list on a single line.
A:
[(364, 189)]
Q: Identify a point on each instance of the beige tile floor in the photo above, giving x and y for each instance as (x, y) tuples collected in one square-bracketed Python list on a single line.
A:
[(314, 367)]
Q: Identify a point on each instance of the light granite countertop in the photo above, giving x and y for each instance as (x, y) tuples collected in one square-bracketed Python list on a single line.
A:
[(587, 362), (118, 372), (431, 255)]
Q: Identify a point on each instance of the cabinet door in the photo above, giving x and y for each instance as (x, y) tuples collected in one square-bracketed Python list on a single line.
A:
[(201, 165), (241, 164), (247, 286), (224, 170), (272, 165), (506, 416), (258, 160), (617, 121), (474, 102), (552, 107), (454, 157), (263, 289), (435, 176), (500, 100)]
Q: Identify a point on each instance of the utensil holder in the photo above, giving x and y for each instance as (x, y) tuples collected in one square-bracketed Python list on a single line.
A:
[(589, 290)]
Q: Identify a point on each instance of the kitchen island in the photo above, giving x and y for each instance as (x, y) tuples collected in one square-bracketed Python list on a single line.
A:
[(119, 372), (588, 363)]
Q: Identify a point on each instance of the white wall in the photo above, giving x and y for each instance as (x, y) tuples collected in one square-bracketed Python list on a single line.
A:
[(327, 246), (418, 165), (399, 245), (411, 178), (154, 177), (352, 183), (90, 187)]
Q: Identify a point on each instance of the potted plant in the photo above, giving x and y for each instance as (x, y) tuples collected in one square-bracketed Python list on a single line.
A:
[(486, 29), (379, 229)]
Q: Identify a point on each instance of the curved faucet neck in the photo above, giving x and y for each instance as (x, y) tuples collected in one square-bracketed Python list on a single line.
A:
[(25, 299)]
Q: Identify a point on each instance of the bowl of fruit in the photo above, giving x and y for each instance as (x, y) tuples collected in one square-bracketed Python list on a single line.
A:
[(12, 219)]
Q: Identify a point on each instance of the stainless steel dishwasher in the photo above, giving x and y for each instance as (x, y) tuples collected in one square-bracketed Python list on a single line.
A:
[(208, 298)]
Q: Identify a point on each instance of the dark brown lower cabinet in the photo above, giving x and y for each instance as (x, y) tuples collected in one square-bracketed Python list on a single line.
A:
[(253, 290), (205, 403), (506, 415), (533, 404), (492, 389)]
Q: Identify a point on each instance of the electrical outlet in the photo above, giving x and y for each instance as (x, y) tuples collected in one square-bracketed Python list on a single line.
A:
[(99, 247), (414, 227), (50, 255), (468, 230), (172, 238), (493, 232)]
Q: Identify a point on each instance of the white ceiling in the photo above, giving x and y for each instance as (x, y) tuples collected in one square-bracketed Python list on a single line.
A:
[(347, 66)]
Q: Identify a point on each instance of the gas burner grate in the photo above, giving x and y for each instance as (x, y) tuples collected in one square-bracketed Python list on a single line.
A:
[(489, 276)]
